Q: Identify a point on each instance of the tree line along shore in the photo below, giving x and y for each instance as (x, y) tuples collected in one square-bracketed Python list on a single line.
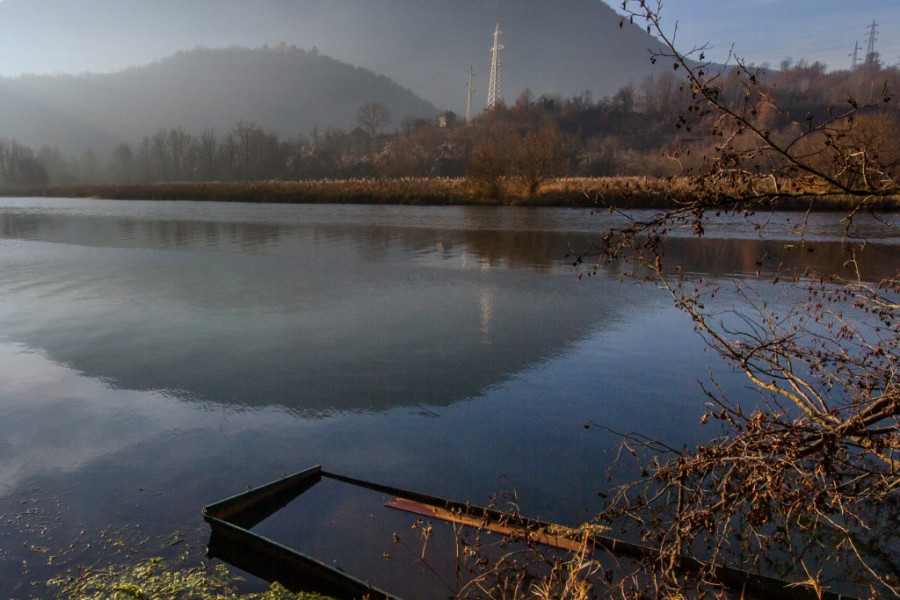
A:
[(654, 129)]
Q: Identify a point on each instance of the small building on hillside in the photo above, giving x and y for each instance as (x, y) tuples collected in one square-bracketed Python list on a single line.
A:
[(448, 120)]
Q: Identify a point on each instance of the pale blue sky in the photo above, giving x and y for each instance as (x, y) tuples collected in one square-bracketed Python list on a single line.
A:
[(770, 30)]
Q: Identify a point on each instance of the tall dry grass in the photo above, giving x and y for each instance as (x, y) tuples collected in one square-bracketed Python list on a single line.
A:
[(593, 192)]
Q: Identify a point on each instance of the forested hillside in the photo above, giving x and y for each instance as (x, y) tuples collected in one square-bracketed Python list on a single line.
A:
[(284, 89)]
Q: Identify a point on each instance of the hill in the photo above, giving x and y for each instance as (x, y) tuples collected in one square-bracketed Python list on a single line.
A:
[(284, 89)]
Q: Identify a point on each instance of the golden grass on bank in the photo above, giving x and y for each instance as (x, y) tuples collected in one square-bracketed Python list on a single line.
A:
[(619, 192), (632, 192)]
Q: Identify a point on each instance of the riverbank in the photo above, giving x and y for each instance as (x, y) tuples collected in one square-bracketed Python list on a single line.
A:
[(571, 192)]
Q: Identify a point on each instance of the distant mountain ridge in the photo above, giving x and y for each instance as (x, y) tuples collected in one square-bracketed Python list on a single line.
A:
[(285, 89)]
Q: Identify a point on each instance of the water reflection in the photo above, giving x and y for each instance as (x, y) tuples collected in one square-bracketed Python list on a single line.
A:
[(361, 309), (89, 419), (128, 232), (537, 239), (318, 332), (751, 257)]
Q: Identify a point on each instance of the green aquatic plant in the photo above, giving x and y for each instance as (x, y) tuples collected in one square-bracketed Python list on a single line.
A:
[(155, 579)]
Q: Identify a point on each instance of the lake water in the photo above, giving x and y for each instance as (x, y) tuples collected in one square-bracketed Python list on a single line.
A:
[(158, 356)]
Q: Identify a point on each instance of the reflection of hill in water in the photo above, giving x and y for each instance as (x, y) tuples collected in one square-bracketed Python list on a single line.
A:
[(326, 315), (316, 320)]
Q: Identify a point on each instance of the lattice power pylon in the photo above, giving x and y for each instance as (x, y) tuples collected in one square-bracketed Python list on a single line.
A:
[(871, 55), (855, 56), (494, 86), (471, 91)]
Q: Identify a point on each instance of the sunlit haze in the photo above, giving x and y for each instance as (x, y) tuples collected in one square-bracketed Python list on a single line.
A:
[(52, 36), (173, 64)]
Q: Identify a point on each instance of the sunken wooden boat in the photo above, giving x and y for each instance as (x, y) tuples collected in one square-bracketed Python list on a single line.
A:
[(233, 540)]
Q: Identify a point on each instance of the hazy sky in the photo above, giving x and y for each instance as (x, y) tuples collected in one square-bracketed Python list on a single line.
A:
[(72, 36)]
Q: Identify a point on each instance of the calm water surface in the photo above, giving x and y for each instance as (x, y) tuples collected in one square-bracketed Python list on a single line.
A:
[(158, 356)]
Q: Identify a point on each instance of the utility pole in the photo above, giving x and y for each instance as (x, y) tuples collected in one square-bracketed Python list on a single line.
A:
[(471, 93), (494, 85), (855, 56)]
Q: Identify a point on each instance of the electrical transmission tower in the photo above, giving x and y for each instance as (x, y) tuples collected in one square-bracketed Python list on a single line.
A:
[(494, 85), (855, 56), (471, 93), (871, 55)]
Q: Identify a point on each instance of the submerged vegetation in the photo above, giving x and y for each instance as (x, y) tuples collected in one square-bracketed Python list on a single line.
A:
[(154, 578)]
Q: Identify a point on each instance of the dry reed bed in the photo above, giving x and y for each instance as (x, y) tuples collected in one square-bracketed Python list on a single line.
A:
[(620, 192)]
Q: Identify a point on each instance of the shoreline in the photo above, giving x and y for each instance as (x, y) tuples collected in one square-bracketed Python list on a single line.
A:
[(597, 193)]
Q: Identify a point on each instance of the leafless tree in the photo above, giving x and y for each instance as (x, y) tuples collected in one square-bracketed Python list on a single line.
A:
[(206, 149), (18, 165), (373, 116), (538, 156), (489, 168), (810, 474)]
